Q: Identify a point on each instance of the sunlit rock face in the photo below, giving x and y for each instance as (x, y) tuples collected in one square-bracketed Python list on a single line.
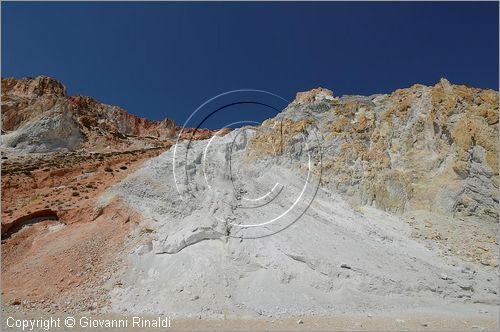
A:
[(337, 204), (400, 179), (433, 148), (39, 116)]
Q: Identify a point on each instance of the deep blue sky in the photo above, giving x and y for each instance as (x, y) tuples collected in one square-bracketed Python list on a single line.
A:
[(161, 60)]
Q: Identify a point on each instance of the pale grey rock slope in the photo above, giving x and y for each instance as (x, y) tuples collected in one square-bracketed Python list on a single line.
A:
[(232, 229), (53, 130)]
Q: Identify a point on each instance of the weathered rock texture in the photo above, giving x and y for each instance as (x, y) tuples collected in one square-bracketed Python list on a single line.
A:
[(432, 148), (39, 116), (50, 228), (56, 250), (133, 237), (232, 226), (93, 114)]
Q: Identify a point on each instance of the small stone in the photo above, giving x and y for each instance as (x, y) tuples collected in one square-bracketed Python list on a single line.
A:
[(300, 321), (444, 276), (468, 270), (425, 324), (466, 287), (16, 302), (489, 262)]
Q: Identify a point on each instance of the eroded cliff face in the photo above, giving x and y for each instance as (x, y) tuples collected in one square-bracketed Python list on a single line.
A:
[(432, 148), (243, 213), (92, 114), (429, 155), (39, 116), (59, 154)]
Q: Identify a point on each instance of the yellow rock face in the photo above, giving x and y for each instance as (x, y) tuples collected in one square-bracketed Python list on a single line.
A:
[(433, 148), (313, 95)]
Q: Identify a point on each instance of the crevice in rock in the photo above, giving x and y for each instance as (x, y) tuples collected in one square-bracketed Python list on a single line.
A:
[(35, 217), (178, 242)]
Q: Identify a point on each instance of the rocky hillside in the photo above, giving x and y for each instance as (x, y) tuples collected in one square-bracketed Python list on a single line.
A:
[(59, 154), (338, 204), (39, 116), (358, 205), (433, 148)]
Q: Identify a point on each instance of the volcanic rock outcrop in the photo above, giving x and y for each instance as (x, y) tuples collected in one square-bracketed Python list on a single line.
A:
[(432, 148), (288, 217), (352, 204), (39, 116), (59, 154)]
